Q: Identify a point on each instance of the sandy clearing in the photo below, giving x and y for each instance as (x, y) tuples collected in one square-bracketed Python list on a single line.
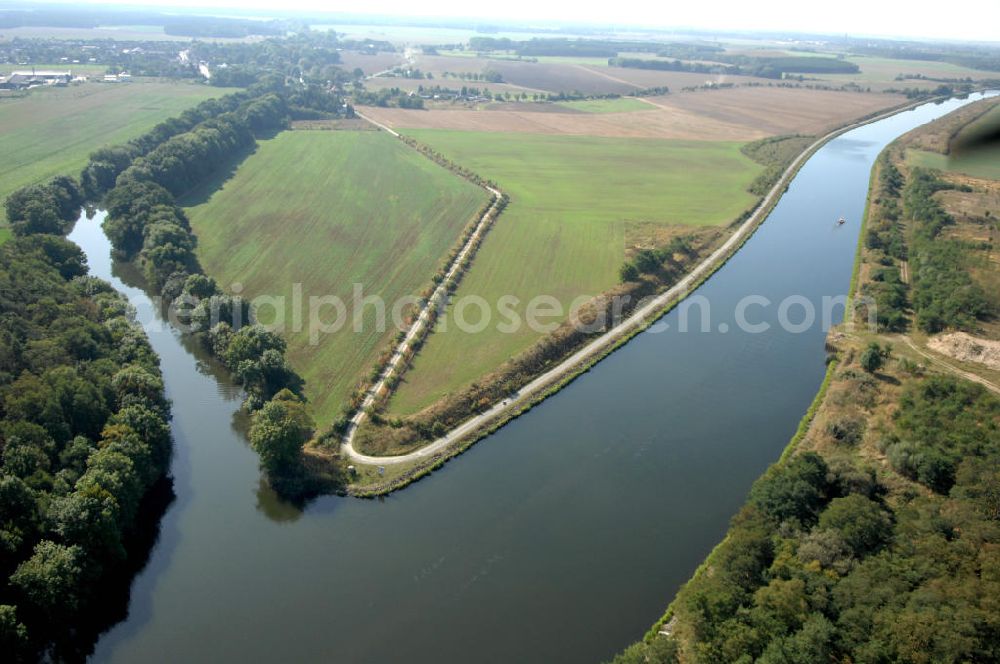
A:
[(967, 348)]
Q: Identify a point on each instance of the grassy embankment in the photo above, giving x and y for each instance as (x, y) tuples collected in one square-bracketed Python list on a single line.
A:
[(328, 210), (975, 163), (576, 206), (887, 554), (52, 131)]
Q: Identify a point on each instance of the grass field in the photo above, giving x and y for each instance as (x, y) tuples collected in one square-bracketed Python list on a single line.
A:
[(52, 131), (621, 105), (329, 209), (573, 203), (4, 235), (979, 164)]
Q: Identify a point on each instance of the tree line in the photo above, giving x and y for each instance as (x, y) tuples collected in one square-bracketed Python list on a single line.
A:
[(744, 65), (145, 225)]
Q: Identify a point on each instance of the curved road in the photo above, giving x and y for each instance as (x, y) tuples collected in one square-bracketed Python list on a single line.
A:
[(652, 310)]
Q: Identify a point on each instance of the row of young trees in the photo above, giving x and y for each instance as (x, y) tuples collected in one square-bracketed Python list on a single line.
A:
[(83, 439), (885, 239)]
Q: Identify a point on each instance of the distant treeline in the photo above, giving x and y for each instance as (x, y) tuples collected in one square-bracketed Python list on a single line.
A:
[(593, 48), (745, 65), (83, 437), (974, 56), (309, 57), (190, 26)]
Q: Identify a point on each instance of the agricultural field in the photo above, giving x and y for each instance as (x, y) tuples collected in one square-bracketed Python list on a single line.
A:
[(575, 202), (620, 105), (52, 131), (327, 210), (731, 114)]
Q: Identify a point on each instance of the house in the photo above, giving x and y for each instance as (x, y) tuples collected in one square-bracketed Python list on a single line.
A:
[(123, 77)]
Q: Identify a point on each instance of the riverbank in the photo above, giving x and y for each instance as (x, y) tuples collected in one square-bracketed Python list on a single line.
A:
[(854, 426), (433, 455)]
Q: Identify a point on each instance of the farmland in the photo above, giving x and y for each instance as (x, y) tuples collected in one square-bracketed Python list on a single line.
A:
[(621, 105), (574, 203), (329, 209), (739, 114), (52, 131)]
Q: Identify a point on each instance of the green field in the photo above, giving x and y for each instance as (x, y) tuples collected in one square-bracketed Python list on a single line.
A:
[(620, 105), (52, 131), (328, 209), (885, 70), (4, 235), (564, 232), (979, 164)]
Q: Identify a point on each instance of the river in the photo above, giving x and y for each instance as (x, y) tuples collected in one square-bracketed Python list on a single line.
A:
[(560, 538)]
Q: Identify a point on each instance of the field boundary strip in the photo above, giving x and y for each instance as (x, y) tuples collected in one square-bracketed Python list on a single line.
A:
[(424, 321)]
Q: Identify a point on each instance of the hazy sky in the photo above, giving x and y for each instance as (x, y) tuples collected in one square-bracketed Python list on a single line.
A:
[(959, 19)]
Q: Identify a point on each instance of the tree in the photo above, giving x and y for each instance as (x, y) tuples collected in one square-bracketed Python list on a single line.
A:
[(50, 579), (277, 433), (873, 357), (628, 272), (795, 489), (862, 522)]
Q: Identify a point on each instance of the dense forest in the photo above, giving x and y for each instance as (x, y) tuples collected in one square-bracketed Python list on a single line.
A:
[(83, 437), (944, 294), (906, 223)]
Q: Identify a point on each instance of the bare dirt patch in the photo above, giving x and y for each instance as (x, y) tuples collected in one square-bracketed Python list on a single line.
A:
[(967, 348), (675, 80), (670, 124), (775, 110)]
